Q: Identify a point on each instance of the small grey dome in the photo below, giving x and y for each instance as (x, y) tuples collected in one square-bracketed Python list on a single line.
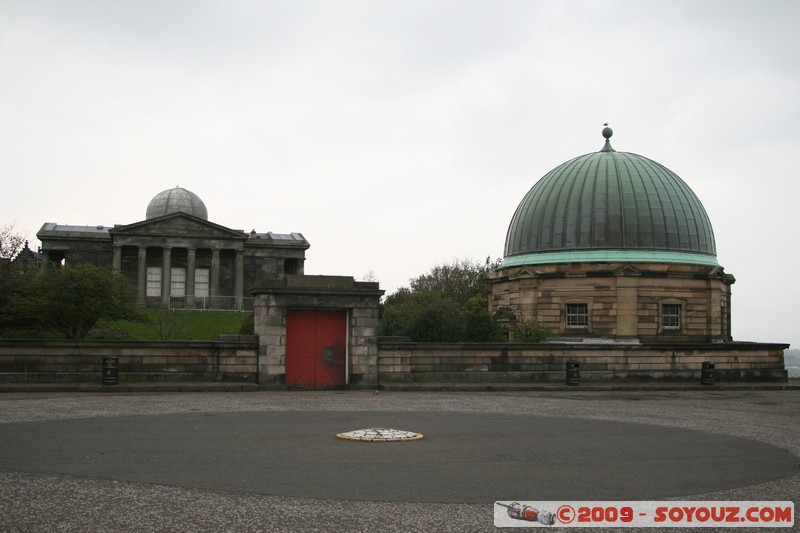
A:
[(177, 200)]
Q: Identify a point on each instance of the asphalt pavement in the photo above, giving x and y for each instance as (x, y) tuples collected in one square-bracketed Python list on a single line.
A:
[(270, 461)]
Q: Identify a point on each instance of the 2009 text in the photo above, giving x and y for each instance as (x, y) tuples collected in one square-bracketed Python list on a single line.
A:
[(605, 514)]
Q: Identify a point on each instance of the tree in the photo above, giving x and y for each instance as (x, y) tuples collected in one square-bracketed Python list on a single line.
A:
[(10, 242), (479, 325), (528, 330), (459, 281), (447, 304), (13, 277), (425, 317), (71, 299)]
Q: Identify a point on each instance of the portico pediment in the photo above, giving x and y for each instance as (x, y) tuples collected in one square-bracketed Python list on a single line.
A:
[(525, 272), (177, 225), (628, 270)]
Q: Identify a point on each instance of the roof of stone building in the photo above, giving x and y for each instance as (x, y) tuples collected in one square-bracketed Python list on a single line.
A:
[(610, 206), (53, 229), (279, 239), (177, 200)]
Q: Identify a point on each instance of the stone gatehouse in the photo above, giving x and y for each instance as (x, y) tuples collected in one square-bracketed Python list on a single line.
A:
[(317, 331)]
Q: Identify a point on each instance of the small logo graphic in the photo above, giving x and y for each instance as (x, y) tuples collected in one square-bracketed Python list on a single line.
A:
[(529, 514), (565, 514)]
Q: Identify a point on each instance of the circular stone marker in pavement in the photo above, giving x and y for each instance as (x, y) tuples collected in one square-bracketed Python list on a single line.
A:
[(379, 435)]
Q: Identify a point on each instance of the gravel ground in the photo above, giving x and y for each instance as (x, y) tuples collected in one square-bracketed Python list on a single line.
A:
[(34, 502)]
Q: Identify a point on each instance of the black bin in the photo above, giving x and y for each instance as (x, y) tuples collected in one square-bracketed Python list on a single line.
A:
[(110, 370), (707, 373), (573, 372)]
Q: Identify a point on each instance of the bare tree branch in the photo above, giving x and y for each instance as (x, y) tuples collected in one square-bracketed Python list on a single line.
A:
[(11, 242)]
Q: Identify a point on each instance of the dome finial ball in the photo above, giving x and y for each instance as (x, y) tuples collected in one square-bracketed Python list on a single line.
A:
[(607, 132)]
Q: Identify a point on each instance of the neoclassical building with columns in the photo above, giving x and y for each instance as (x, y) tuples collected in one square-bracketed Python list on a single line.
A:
[(176, 257)]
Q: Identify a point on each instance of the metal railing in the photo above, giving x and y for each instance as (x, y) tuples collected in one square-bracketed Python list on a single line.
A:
[(210, 303)]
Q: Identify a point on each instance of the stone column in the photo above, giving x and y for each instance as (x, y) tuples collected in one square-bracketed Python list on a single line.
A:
[(214, 289), (190, 266), (239, 274), (627, 306), (727, 312), (141, 283), (116, 261), (166, 277)]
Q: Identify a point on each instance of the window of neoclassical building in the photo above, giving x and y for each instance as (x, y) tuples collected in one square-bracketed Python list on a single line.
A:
[(178, 282), (577, 315), (153, 281), (201, 282), (291, 266), (671, 316)]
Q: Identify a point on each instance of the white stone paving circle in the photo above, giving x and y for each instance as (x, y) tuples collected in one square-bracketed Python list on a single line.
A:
[(379, 435)]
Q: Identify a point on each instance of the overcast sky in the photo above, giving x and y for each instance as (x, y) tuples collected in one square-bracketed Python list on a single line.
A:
[(399, 135)]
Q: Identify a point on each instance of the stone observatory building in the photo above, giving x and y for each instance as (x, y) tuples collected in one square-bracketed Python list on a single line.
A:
[(613, 245), (176, 257)]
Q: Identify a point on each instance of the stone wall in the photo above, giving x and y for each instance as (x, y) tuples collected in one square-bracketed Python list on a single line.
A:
[(406, 362), (236, 359), (623, 300), (34, 361)]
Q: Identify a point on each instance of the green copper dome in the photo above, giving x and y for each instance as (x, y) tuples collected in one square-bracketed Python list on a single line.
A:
[(610, 206)]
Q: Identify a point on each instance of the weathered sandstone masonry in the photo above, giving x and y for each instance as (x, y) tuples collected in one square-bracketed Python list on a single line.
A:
[(388, 361), (406, 362), (231, 359), (623, 300), (360, 299)]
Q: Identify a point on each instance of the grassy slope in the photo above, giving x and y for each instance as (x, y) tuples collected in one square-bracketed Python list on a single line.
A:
[(182, 325)]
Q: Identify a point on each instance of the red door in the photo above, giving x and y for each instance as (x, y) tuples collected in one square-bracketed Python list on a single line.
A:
[(316, 354)]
